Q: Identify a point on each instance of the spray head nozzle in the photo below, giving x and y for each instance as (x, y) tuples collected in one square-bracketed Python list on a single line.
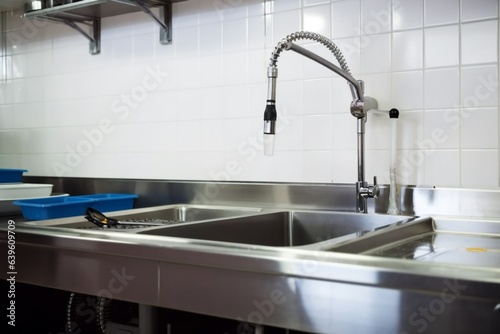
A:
[(270, 116), (268, 144)]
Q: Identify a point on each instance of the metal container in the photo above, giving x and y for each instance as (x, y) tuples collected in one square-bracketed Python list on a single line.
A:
[(52, 3), (31, 5)]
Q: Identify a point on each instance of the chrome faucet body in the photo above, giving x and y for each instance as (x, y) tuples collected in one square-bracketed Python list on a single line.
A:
[(359, 106)]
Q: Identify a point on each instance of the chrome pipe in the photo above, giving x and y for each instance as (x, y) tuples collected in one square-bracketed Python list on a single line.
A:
[(361, 148), (356, 90)]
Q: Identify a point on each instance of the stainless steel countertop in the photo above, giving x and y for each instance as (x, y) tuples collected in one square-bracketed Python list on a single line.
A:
[(319, 287), (228, 255)]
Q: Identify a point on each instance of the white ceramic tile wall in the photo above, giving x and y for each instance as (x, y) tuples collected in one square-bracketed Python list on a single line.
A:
[(193, 110)]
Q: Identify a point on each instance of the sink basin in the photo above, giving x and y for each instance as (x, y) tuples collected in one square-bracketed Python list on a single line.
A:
[(318, 230), (174, 214), (282, 229)]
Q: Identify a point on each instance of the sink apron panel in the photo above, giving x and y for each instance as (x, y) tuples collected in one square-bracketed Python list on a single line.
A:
[(321, 306), (102, 275)]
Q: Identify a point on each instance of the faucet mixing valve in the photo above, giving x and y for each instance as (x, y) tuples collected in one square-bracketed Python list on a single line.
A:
[(368, 191), (364, 191)]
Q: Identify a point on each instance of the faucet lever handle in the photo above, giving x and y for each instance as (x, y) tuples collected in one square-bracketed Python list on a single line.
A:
[(375, 189)]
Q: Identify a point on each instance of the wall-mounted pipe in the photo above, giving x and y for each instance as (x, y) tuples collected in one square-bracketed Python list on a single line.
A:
[(394, 205)]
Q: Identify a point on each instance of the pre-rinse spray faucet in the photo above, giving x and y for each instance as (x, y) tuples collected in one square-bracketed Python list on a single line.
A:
[(359, 106)]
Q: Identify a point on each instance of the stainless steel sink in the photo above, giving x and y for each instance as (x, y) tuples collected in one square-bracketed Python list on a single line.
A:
[(318, 230), (282, 229), (472, 242), (172, 214)]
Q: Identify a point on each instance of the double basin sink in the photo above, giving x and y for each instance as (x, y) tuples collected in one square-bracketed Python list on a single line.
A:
[(458, 241), (319, 230)]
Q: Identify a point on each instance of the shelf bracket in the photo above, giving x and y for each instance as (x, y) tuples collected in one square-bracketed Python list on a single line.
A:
[(89, 13), (164, 20), (94, 37)]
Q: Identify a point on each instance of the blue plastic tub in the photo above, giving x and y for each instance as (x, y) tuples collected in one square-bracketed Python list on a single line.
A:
[(53, 207), (111, 202), (59, 207), (11, 175)]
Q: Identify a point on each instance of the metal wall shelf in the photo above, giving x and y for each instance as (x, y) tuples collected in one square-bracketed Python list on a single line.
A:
[(88, 13)]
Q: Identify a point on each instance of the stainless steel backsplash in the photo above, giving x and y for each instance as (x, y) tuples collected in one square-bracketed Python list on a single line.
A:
[(414, 200)]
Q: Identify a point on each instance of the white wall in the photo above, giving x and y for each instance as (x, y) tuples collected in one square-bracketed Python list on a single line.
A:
[(193, 110)]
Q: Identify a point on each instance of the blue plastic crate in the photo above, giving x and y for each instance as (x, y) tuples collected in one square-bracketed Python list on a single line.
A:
[(11, 175), (111, 202), (53, 207)]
